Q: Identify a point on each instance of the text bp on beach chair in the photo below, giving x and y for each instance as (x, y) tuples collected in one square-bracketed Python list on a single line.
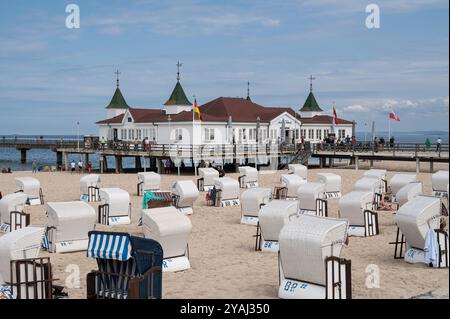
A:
[(290, 183), (312, 200), (357, 208), (418, 223), (12, 216), (309, 261), (89, 188), (68, 226), (185, 193), (298, 169), (148, 182), (115, 208), (272, 217), (129, 267), (251, 202), (408, 192), (227, 192), (26, 275), (248, 177), (381, 174), (333, 184), (207, 176), (439, 182), (171, 229), (32, 187)]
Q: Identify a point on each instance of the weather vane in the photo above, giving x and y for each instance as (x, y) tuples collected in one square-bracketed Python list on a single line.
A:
[(179, 65), (117, 73), (311, 79)]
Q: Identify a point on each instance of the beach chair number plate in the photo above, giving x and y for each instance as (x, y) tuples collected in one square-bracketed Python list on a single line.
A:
[(332, 195), (252, 185), (249, 220), (4, 228), (230, 202), (119, 220), (290, 286), (440, 194), (270, 246)]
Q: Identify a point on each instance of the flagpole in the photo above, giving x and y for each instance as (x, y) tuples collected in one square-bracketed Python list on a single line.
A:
[(193, 135), (389, 125)]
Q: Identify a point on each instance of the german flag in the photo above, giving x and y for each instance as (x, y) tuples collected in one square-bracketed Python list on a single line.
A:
[(197, 110)]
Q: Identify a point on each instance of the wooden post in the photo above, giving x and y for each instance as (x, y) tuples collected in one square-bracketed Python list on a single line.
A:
[(117, 164), (431, 165), (59, 159), (102, 168), (66, 161), (23, 155), (356, 163), (105, 163), (86, 159), (137, 163), (417, 165), (371, 163)]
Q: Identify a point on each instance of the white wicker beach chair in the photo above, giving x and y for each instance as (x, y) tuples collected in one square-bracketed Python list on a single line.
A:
[(298, 169), (148, 181), (185, 194), (12, 216), (89, 188), (333, 184), (115, 208), (357, 208), (207, 176), (312, 200), (248, 177), (251, 202), (32, 187), (228, 192)]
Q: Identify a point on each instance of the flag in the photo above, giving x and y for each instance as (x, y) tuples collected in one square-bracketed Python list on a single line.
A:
[(197, 110), (336, 121), (393, 116)]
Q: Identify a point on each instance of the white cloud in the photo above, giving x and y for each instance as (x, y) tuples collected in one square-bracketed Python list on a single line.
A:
[(356, 108)]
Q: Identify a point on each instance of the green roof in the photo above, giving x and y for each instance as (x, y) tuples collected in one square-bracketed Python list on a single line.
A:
[(311, 104), (118, 101), (178, 97)]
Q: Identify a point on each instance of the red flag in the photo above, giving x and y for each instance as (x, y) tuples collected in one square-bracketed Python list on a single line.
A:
[(336, 121), (393, 116)]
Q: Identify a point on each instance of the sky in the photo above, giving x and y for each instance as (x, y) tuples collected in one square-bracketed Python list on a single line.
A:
[(52, 77)]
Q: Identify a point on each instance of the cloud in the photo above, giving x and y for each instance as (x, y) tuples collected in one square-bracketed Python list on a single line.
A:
[(356, 108)]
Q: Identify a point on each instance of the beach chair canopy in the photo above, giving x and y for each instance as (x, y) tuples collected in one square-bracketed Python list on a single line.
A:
[(169, 227), (371, 184), (353, 204), (251, 174), (29, 185), (208, 174), (10, 203), (187, 191), (117, 199), (252, 198), (401, 179), (376, 173), (408, 192), (150, 180), (292, 183), (306, 242), (439, 181), (229, 187), (333, 182), (91, 180), (416, 217), (274, 215), (72, 220), (298, 169), (308, 194), (20, 244)]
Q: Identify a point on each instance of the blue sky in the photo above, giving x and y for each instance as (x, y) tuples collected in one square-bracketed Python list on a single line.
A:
[(52, 77)]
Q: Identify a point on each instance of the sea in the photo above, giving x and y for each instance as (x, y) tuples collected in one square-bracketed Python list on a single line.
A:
[(10, 157)]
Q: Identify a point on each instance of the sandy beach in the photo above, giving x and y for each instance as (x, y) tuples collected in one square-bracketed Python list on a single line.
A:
[(224, 263)]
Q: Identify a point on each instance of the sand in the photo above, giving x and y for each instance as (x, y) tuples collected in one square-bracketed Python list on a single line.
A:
[(224, 263)]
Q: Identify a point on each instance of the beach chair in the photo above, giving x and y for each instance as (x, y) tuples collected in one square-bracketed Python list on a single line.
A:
[(370, 184), (227, 192), (68, 226), (399, 180), (358, 208), (129, 267), (148, 182), (333, 184), (207, 175), (408, 192), (291, 182), (32, 187), (251, 202), (298, 169), (89, 188), (309, 260), (26, 275), (115, 208), (439, 181), (171, 229), (271, 218), (248, 177), (185, 193), (12, 216), (380, 174), (419, 237), (311, 199)]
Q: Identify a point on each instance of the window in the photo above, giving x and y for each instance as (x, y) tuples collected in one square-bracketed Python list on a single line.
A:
[(297, 132), (209, 134), (139, 134), (326, 132), (123, 134), (178, 134), (131, 134), (341, 133), (273, 134), (130, 120), (319, 134), (145, 133), (252, 134), (152, 134), (303, 133), (311, 134)]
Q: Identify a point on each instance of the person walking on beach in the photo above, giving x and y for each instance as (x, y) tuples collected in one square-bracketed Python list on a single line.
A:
[(72, 166), (34, 166), (438, 145)]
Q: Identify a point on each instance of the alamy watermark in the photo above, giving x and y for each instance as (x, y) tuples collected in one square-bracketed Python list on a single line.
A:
[(373, 19), (373, 276), (73, 19)]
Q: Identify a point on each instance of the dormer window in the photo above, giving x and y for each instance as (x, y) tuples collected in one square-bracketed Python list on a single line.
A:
[(130, 120)]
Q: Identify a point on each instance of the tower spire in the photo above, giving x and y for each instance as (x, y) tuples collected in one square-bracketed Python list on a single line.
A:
[(311, 79), (248, 92), (118, 80), (179, 65)]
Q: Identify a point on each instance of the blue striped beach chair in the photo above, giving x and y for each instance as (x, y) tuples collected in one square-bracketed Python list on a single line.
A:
[(129, 267)]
